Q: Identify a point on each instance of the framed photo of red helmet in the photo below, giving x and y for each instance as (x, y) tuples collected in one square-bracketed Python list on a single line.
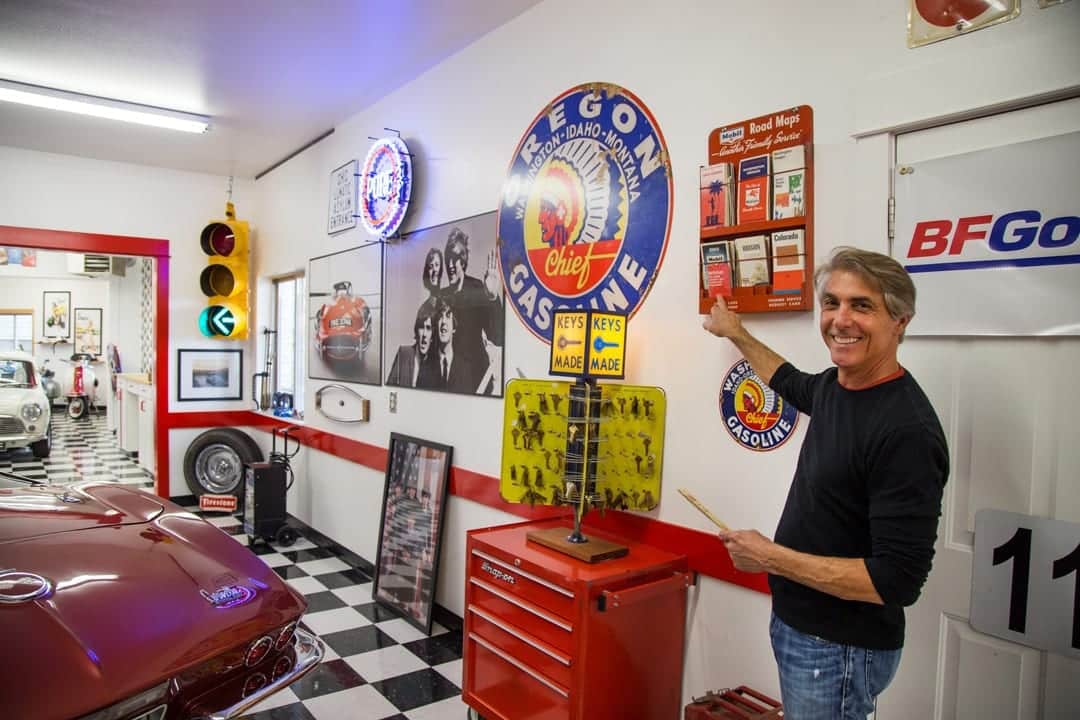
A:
[(345, 315)]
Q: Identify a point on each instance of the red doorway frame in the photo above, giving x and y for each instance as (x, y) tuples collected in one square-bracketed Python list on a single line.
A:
[(42, 239)]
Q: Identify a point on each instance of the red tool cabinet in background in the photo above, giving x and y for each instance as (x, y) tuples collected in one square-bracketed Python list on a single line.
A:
[(549, 637)]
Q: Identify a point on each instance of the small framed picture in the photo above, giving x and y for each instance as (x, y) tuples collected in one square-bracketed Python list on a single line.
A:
[(414, 504), (56, 315), (88, 331), (209, 375), (342, 212)]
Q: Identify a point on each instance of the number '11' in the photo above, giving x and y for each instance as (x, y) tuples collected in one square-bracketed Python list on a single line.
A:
[(1018, 549)]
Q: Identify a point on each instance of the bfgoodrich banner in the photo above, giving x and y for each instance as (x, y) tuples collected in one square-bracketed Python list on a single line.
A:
[(991, 240)]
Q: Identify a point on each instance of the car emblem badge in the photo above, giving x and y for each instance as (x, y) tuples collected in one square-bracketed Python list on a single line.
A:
[(228, 596), (17, 586)]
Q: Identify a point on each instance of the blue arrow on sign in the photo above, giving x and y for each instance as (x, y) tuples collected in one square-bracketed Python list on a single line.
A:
[(222, 321)]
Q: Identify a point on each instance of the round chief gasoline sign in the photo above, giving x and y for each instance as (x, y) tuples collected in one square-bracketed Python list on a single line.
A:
[(586, 208), (755, 416)]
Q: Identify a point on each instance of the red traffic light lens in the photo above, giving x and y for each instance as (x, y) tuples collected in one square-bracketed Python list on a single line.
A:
[(218, 239)]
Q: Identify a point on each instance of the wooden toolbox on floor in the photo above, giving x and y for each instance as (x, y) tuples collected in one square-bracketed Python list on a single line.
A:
[(741, 703)]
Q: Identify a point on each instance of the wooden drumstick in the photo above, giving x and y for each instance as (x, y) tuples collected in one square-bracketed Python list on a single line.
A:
[(704, 510)]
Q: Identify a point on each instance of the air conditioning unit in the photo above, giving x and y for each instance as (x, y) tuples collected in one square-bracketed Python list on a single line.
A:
[(86, 264)]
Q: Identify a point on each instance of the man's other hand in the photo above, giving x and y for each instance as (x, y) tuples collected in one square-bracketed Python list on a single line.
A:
[(749, 549)]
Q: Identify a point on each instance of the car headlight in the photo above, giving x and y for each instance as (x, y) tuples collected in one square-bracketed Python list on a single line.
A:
[(31, 412)]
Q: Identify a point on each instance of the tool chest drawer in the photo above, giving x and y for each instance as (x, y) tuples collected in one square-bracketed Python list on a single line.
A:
[(518, 581)]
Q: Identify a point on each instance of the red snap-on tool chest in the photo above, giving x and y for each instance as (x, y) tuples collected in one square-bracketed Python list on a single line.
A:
[(550, 637)]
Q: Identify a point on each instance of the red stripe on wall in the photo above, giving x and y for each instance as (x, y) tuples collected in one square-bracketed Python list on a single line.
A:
[(705, 552)]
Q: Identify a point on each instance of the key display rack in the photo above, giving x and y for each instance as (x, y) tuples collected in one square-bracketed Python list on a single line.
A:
[(582, 444)]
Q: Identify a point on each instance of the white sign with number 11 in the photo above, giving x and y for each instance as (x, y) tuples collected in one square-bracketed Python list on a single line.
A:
[(1025, 584)]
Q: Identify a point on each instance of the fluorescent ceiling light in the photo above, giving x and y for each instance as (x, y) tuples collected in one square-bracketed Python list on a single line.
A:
[(101, 107)]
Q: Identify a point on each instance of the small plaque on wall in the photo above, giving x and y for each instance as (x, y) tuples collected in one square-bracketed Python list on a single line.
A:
[(342, 213)]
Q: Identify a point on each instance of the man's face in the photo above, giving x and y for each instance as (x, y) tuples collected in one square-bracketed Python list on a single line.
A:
[(861, 335), (446, 327), (455, 263), (433, 271), (423, 336)]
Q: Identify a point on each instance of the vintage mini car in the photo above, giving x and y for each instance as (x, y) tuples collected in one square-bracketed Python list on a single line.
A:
[(343, 326), (119, 605), (25, 410)]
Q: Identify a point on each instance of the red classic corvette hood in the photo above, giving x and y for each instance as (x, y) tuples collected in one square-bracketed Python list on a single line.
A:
[(27, 512), (131, 603)]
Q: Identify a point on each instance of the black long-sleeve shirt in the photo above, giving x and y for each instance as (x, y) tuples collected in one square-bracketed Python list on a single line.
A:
[(868, 484)]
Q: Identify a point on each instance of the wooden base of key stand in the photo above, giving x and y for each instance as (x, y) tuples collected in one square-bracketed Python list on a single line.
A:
[(583, 416)]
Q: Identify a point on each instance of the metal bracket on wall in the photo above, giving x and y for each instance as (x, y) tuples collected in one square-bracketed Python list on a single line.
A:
[(342, 404)]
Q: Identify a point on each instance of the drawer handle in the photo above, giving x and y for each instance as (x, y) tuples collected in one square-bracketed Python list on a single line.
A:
[(522, 636), (519, 665), (521, 604), (522, 573), (612, 599)]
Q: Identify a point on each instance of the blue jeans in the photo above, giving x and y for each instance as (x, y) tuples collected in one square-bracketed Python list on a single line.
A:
[(822, 680)]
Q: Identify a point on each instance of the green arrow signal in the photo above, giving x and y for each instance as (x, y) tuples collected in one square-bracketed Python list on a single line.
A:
[(222, 320)]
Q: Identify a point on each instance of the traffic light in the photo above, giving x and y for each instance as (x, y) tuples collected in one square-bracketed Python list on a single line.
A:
[(224, 281)]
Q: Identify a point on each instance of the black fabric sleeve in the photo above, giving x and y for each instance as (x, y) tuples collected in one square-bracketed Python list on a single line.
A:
[(794, 386), (907, 477)]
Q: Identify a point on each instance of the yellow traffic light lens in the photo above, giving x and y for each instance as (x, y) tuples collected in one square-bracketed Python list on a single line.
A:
[(217, 280), (218, 239)]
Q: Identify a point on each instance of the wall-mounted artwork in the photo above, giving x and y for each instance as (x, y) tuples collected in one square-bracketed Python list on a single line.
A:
[(88, 331), (209, 375), (345, 316), (342, 212), (414, 503), (445, 316), (933, 20), (56, 315)]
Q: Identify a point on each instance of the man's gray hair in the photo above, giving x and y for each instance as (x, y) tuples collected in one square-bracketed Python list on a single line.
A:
[(880, 272)]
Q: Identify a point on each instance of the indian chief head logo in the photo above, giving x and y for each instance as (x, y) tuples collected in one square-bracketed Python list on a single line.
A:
[(586, 208)]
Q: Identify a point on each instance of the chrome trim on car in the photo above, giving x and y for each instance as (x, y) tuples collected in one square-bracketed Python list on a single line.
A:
[(309, 652)]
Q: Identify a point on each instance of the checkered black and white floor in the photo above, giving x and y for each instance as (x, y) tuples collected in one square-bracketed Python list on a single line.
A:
[(83, 449), (377, 665)]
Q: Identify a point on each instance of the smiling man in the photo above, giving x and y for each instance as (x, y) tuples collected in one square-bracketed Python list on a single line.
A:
[(856, 539)]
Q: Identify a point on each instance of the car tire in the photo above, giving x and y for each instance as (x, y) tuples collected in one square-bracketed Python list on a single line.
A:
[(76, 408), (214, 462), (43, 447)]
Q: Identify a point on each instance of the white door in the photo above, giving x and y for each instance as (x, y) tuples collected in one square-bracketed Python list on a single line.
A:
[(1007, 405)]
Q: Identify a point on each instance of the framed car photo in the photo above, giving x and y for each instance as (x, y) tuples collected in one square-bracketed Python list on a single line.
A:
[(414, 505), (345, 316)]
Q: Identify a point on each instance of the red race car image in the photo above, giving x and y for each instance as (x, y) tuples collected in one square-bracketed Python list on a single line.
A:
[(343, 326)]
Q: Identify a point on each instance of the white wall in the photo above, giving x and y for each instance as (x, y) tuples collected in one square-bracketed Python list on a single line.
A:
[(696, 65)]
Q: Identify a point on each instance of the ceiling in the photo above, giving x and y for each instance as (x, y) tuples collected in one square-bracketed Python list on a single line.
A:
[(272, 74)]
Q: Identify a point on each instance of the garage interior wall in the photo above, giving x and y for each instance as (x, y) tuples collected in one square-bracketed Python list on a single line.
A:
[(696, 66)]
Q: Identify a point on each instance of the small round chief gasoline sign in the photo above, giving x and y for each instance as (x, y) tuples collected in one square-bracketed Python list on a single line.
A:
[(586, 208), (757, 417)]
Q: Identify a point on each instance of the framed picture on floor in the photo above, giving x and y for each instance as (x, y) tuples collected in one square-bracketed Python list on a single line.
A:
[(414, 504), (345, 316), (88, 331), (56, 315), (209, 375)]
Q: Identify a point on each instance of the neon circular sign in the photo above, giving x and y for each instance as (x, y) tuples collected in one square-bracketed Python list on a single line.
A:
[(385, 186)]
